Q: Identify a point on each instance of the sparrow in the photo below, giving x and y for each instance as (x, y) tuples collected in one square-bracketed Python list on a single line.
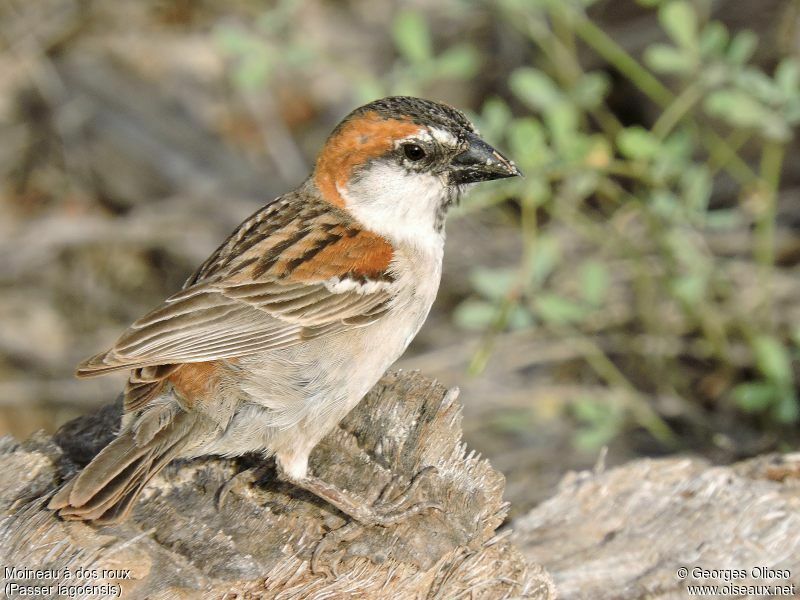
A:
[(296, 316)]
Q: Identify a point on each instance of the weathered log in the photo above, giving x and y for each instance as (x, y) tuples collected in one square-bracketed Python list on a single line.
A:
[(258, 544), (628, 532)]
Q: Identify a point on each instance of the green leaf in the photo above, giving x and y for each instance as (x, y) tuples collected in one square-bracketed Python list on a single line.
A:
[(786, 409), (546, 253), (253, 69), (742, 47), (735, 106), (599, 154), (754, 397), (562, 121), (493, 284), (792, 111), (714, 39), (665, 204), (495, 118), (534, 88), (590, 439), (600, 422), (535, 191), (638, 143), (668, 59), (724, 219), (697, 186), (679, 145), (458, 62), (474, 315), (680, 22), (580, 185), (233, 40), (594, 279), (558, 310), (756, 83), (519, 318), (690, 289), (528, 144), (412, 37), (773, 360), (590, 90), (589, 410), (787, 77), (742, 110)]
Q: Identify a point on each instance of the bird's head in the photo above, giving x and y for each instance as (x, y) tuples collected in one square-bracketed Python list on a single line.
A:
[(397, 165)]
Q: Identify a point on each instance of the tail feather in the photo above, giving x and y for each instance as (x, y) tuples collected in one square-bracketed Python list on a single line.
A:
[(107, 488), (112, 461), (120, 510), (108, 496), (122, 504)]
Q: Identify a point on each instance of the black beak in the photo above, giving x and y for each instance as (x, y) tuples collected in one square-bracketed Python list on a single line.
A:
[(480, 162)]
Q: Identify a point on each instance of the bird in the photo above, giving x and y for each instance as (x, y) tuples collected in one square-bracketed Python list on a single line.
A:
[(296, 316)]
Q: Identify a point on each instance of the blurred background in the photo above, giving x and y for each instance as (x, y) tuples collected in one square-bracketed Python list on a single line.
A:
[(639, 290)]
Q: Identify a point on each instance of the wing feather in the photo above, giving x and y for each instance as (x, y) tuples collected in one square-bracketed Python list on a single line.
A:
[(237, 305), (215, 325)]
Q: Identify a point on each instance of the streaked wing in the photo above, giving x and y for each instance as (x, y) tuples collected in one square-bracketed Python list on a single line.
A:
[(216, 322), (277, 281)]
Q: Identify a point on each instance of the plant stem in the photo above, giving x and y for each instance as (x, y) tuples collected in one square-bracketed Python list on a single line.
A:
[(642, 412), (512, 298), (677, 110), (771, 162), (622, 61)]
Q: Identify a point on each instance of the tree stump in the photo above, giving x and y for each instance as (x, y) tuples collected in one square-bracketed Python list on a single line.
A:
[(258, 544)]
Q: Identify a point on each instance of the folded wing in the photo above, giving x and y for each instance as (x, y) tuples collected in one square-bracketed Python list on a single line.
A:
[(314, 274)]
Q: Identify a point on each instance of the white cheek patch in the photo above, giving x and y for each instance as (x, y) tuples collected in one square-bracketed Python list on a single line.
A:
[(398, 204)]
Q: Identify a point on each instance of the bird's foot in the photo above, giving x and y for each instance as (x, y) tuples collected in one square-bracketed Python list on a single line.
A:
[(390, 508)]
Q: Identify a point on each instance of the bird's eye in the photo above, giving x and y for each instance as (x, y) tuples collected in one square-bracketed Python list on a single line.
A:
[(413, 152)]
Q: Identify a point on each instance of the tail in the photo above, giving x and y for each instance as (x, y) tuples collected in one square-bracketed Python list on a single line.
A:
[(107, 488)]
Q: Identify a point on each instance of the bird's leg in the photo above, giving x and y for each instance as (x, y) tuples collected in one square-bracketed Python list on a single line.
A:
[(383, 512)]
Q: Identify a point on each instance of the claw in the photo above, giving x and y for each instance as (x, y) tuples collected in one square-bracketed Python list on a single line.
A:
[(393, 518), (334, 538), (387, 490), (409, 492), (239, 481)]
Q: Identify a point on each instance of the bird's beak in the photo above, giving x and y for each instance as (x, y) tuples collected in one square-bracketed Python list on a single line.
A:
[(480, 162)]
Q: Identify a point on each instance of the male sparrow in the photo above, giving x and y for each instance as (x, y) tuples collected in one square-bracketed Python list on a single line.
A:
[(292, 320)]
